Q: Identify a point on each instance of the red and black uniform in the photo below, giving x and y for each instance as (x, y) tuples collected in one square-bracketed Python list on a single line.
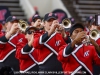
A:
[(96, 68), (98, 41), (79, 58), (7, 50), (27, 57), (48, 48)]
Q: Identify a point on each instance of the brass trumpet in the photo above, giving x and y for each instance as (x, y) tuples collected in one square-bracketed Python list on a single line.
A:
[(66, 23), (94, 34), (22, 25)]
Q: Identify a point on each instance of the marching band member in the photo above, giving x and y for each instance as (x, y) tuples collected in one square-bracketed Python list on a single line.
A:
[(91, 26), (27, 54), (8, 43), (36, 21), (48, 45), (77, 58), (96, 43)]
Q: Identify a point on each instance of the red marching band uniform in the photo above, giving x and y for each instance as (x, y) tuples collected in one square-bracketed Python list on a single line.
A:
[(7, 47), (50, 47), (82, 56), (27, 59), (98, 41), (27, 56), (5, 51)]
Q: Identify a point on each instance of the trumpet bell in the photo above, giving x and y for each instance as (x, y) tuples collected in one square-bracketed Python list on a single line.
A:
[(23, 25), (94, 34), (66, 23)]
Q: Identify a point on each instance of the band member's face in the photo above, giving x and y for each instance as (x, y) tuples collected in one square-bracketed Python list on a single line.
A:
[(29, 34), (37, 23), (93, 27), (75, 32), (48, 24), (9, 25)]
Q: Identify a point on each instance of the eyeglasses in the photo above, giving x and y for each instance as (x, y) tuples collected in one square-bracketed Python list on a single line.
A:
[(30, 32)]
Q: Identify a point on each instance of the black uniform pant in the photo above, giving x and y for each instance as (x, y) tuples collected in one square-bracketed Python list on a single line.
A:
[(51, 67), (12, 62), (96, 70)]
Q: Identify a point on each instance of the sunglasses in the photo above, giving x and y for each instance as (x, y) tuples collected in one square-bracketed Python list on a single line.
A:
[(30, 32)]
